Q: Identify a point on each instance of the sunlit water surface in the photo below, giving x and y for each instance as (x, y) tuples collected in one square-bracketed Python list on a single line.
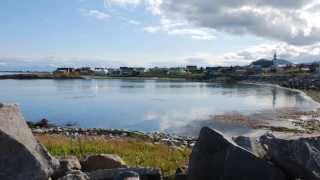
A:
[(146, 105)]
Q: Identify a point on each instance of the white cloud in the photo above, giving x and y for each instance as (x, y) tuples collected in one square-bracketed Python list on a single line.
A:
[(294, 22), (94, 13), (134, 22), (127, 20), (295, 54), (152, 29), (51, 62), (123, 2), (181, 29)]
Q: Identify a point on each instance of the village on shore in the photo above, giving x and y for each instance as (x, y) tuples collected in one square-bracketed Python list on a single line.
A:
[(261, 66), (276, 71)]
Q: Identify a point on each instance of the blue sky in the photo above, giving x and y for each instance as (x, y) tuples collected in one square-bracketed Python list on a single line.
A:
[(38, 33)]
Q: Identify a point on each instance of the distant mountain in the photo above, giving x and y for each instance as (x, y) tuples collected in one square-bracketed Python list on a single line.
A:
[(262, 63), (283, 62), (268, 63)]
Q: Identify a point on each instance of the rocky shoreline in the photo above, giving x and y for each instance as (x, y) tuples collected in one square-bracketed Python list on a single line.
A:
[(214, 156), (156, 137), (44, 127)]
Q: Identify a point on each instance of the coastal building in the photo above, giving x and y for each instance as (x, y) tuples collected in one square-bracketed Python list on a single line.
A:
[(101, 71), (304, 67), (85, 70), (191, 68), (139, 70), (211, 71), (240, 71), (315, 68), (113, 72), (157, 71), (126, 71), (279, 64), (64, 70), (177, 71)]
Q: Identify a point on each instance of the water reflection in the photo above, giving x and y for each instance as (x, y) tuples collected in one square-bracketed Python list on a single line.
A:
[(146, 105)]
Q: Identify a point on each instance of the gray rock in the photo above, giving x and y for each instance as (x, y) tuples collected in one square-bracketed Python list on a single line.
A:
[(21, 156), (215, 156), (251, 144), (67, 164), (70, 163), (75, 175), (144, 173), (298, 157), (128, 175), (102, 161), (181, 173)]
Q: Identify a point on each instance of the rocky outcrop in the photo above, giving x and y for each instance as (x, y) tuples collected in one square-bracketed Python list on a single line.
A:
[(67, 164), (21, 157), (144, 173), (251, 144), (102, 161), (128, 175), (215, 156), (298, 157), (70, 163), (75, 175), (181, 173)]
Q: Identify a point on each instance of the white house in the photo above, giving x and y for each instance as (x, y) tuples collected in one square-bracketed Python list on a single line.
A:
[(100, 71)]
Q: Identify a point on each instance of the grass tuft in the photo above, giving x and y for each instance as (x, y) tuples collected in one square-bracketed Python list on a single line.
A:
[(135, 152)]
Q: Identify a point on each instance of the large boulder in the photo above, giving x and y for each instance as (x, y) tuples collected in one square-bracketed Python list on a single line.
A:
[(251, 144), (215, 156), (21, 156), (298, 157), (102, 161)]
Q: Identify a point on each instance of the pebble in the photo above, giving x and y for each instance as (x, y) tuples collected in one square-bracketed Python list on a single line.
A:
[(156, 137)]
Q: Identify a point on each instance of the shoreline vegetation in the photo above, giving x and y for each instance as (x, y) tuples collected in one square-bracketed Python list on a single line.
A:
[(137, 149), (136, 152)]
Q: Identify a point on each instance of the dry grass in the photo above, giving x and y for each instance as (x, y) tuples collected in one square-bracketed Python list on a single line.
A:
[(135, 152)]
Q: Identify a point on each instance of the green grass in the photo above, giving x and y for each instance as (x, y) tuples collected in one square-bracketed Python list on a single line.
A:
[(135, 152)]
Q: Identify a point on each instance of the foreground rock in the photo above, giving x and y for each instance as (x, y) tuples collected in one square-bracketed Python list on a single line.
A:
[(67, 164), (102, 161), (115, 174), (144, 173), (75, 175), (298, 157), (251, 144), (181, 173), (216, 157), (21, 157), (128, 175)]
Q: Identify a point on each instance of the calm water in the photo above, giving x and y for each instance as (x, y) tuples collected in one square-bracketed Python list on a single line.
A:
[(140, 105)]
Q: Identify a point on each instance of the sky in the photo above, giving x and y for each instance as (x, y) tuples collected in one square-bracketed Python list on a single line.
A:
[(45, 34)]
